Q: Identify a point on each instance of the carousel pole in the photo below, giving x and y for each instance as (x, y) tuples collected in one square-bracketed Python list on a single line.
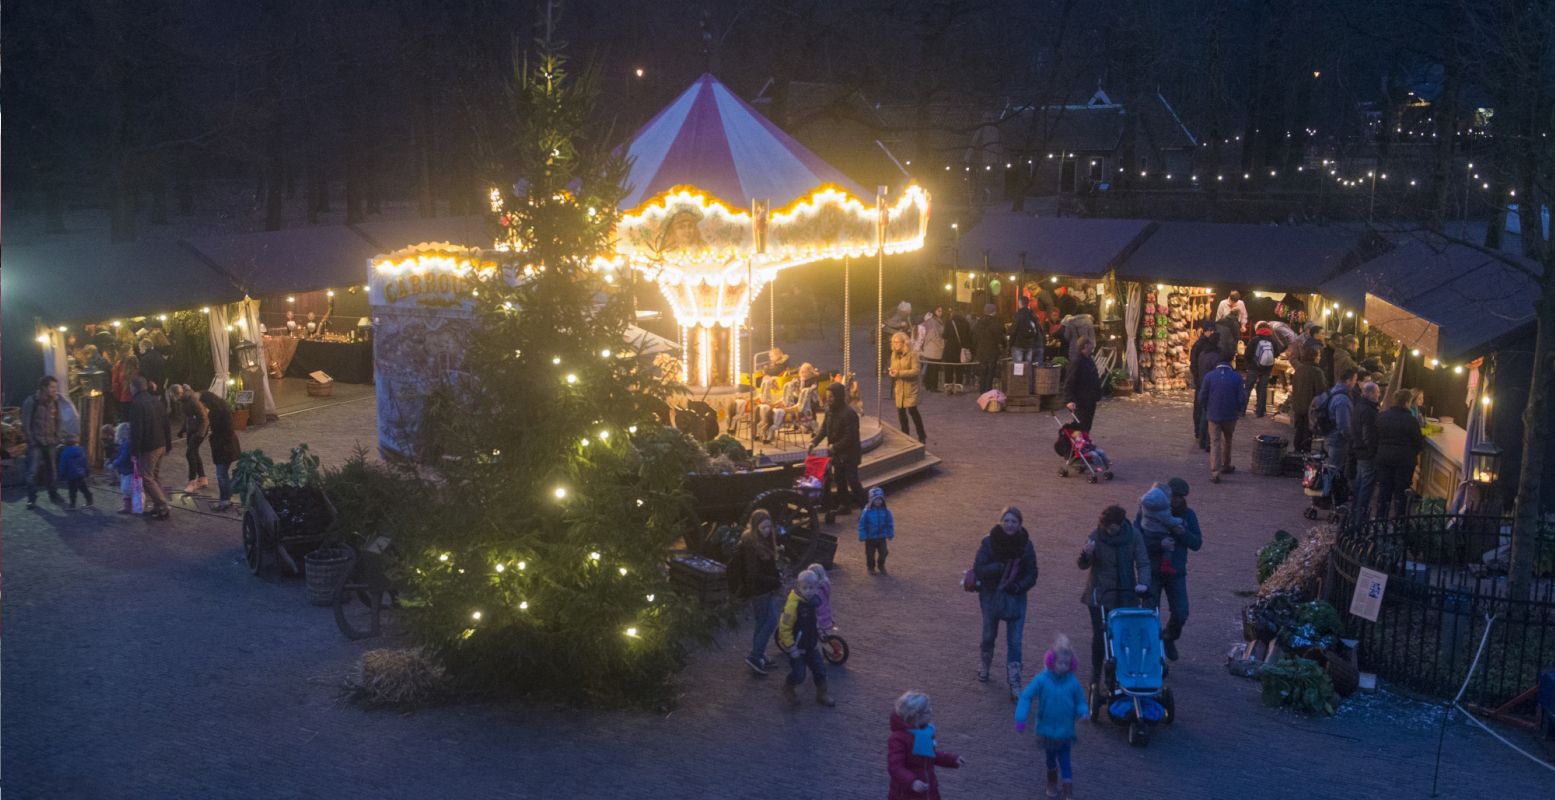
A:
[(847, 320), (880, 227)]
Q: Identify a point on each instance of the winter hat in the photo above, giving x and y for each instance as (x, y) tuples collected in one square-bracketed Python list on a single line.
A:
[(1155, 500), (1178, 486), (989, 309), (1061, 648), (875, 493), (1207, 324)]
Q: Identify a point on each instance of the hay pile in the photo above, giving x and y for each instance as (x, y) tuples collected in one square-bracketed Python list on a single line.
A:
[(1302, 571), (403, 678)]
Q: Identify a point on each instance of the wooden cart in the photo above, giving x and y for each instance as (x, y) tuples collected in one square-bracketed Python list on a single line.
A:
[(266, 535), (722, 504)]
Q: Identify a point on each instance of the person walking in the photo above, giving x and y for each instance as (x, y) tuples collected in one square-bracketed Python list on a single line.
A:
[(1265, 348), (988, 339), (931, 345), (1399, 442), (1082, 387), (1026, 344), (1114, 554), (1059, 702), (841, 430), (912, 752), (1306, 383), (197, 426), (876, 527), (1363, 433), (43, 426), (1221, 393), (799, 635), (150, 439), (904, 373), (1006, 570), (73, 468), (224, 446), (1200, 365), (1169, 555), (754, 579)]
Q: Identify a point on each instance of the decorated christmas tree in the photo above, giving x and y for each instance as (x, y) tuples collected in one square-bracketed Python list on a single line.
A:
[(538, 563)]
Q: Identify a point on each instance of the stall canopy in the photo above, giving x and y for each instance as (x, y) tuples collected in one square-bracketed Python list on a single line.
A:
[(1279, 258), (1081, 248), (1449, 300), (70, 283)]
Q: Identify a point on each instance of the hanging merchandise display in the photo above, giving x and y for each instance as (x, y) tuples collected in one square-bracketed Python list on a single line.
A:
[(1171, 313)]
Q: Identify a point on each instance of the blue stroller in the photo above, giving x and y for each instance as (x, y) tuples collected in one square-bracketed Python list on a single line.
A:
[(1135, 694)]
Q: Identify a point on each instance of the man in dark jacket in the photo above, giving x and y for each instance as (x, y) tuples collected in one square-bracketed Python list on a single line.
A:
[(988, 339), (1398, 445), (958, 336), (150, 439), (43, 426), (1082, 389), (1026, 344), (1306, 382), (1221, 393), (1169, 550), (1114, 553), (1363, 437), (153, 363), (1204, 357), (841, 430)]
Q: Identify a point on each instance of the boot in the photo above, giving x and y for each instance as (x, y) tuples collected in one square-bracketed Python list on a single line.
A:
[(1013, 673), (1068, 790), (821, 695), (982, 671), (1052, 783), (789, 694)]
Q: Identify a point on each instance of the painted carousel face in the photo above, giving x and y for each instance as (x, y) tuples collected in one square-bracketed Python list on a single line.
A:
[(684, 233)]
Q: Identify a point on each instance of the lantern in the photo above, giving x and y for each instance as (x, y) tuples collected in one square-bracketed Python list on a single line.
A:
[(1484, 463), (248, 355)]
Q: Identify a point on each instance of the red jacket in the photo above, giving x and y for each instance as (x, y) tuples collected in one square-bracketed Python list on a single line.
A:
[(906, 767)]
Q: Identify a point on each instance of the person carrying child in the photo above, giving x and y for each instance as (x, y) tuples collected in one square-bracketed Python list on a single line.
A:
[(1059, 701), (799, 636), (875, 528), (912, 753), (73, 468), (1168, 549)]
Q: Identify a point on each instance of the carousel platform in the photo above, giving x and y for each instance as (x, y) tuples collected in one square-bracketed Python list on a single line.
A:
[(889, 454)]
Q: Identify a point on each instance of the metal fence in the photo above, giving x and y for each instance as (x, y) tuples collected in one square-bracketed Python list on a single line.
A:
[(1446, 574)]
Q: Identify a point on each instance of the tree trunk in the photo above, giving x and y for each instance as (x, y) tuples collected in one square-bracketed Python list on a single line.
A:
[(1525, 524)]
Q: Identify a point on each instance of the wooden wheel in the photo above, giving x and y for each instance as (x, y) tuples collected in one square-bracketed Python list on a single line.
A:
[(798, 526), (253, 542)]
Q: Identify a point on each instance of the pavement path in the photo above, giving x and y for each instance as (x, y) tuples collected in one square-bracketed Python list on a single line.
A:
[(142, 660)]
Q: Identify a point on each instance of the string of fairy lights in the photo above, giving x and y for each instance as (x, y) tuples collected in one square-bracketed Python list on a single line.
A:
[(162, 317)]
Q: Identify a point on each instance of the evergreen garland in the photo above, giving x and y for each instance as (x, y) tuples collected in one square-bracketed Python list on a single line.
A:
[(536, 563)]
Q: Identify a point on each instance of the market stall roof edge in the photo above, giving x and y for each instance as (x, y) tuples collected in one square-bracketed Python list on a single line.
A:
[(1290, 258), (1080, 248)]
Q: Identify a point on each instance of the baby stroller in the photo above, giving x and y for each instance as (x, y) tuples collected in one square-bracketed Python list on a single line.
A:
[(1324, 484), (1135, 693), (1074, 447)]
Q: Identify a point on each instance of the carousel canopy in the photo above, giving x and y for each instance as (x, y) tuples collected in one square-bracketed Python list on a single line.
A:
[(713, 140)]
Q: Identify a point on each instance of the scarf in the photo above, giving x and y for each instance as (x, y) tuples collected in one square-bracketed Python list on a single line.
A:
[(1008, 547), (923, 741)]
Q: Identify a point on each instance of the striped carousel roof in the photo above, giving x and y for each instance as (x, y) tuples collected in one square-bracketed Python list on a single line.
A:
[(710, 139)]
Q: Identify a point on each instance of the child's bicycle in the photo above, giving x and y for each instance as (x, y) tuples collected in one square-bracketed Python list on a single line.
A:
[(834, 648)]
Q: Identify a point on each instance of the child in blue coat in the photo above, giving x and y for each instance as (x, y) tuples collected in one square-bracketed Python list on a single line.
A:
[(1060, 701), (875, 528), (74, 469), (123, 465)]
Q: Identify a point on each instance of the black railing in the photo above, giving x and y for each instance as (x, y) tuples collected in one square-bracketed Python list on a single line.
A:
[(1446, 574)]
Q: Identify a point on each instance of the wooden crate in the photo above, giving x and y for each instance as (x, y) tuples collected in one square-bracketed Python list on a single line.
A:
[(703, 577)]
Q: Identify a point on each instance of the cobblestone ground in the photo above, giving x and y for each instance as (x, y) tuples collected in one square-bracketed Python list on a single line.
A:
[(143, 661)]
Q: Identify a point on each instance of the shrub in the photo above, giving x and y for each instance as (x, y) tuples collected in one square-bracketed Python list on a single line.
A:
[(1299, 684)]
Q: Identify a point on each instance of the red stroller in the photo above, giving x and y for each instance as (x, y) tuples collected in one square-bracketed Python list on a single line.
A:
[(1075, 447)]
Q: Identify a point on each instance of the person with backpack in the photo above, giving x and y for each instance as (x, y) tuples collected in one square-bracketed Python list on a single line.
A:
[(1002, 574), (1221, 393), (1265, 349), (753, 578), (1306, 383), (1026, 343), (1331, 419)]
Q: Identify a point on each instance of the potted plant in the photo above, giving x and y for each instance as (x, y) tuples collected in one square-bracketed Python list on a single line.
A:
[(1122, 385)]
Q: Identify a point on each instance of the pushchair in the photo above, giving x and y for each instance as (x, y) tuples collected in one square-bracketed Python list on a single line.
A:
[(1324, 484), (1075, 448), (1132, 689)]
